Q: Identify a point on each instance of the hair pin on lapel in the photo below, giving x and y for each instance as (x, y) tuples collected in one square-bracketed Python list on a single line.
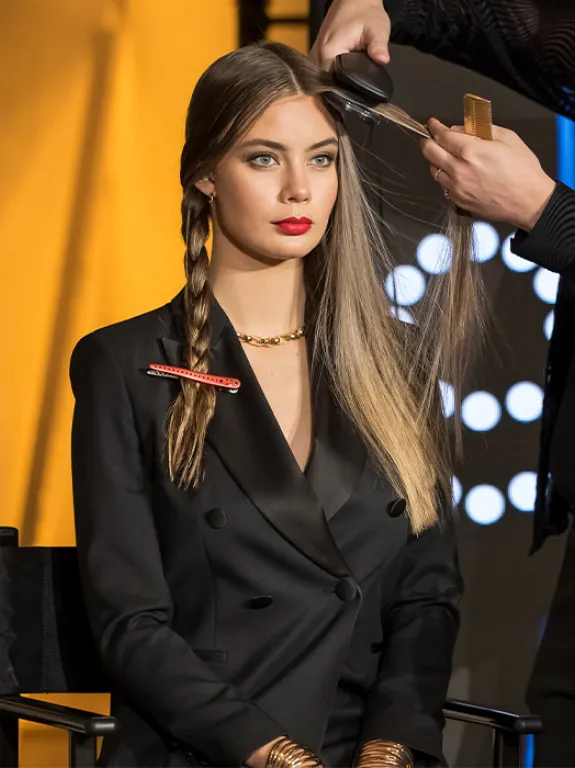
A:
[(173, 372)]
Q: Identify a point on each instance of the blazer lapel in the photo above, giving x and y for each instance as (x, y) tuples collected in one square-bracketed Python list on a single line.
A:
[(249, 442), (339, 454)]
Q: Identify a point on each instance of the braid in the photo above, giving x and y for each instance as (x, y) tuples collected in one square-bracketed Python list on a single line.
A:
[(194, 407)]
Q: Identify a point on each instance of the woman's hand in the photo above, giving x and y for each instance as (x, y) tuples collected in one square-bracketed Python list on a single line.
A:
[(259, 757), (353, 25), (499, 180)]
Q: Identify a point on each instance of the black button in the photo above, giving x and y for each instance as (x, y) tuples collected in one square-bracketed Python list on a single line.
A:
[(261, 601), (396, 508), (217, 518), (346, 589)]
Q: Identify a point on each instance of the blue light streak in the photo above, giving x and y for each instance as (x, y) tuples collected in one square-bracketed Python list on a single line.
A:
[(566, 151)]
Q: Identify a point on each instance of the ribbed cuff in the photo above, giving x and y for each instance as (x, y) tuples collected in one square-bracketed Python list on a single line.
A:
[(397, 11), (551, 242)]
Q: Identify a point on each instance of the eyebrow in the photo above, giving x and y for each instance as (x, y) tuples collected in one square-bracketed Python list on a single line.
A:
[(332, 141)]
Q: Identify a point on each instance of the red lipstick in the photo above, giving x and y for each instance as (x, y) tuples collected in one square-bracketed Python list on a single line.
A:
[(294, 225)]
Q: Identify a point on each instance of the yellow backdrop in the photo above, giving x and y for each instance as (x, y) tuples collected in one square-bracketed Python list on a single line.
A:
[(93, 95)]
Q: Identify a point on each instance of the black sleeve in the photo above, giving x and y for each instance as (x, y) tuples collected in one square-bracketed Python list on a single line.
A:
[(527, 45), (551, 242), (127, 597), (420, 629)]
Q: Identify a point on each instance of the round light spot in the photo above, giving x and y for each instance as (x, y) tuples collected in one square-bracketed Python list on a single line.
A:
[(545, 285), (485, 241), (521, 491), (524, 401), (456, 491), (514, 262), (485, 504), (480, 411), (447, 398), (405, 285), (548, 325), (435, 254), (403, 315)]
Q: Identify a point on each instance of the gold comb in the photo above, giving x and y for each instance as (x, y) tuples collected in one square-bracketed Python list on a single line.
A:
[(477, 121), (477, 117)]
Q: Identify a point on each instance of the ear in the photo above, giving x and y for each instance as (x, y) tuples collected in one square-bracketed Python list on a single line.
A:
[(206, 186)]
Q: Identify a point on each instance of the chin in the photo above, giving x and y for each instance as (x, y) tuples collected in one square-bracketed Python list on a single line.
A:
[(284, 254), (270, 253), (292, 247)]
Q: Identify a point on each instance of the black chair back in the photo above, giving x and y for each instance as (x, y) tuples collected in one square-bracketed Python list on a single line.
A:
[(45, 639), (46, 646)]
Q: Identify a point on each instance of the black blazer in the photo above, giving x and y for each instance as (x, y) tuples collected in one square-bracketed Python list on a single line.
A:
[(268, 601), (528, 45)]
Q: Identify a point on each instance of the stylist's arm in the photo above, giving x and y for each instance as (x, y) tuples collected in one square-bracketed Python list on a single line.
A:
[(499, 180), (353, 25)]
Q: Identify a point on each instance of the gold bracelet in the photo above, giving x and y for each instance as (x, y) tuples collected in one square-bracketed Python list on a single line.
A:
[(384, 754), (287, 754)]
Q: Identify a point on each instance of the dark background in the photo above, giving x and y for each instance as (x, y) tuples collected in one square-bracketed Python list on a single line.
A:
[(507, 592)]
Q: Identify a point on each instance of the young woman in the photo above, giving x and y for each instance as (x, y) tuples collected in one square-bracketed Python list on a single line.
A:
[(270, 575)]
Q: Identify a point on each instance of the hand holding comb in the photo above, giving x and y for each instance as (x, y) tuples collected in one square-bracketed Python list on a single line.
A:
[(478, 122)]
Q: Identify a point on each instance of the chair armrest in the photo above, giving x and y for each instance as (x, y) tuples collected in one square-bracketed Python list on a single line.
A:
[(494, 718), (57, 716)]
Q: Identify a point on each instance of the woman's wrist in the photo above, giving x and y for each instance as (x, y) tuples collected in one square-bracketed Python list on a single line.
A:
[(384, 754), (283, 753), (258, 758)]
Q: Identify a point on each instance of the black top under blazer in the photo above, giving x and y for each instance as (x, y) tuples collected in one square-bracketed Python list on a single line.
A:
[(267, 602)]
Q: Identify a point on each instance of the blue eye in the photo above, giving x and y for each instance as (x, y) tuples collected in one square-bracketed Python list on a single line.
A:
[(327, 159), (261, 158)]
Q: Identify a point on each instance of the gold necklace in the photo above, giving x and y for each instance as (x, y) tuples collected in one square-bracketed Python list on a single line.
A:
[(271, 341)]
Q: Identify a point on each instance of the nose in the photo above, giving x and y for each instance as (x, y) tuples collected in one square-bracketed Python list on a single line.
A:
[(296, 188)]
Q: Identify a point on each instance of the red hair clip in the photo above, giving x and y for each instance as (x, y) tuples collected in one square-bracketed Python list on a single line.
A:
[(172, 372)]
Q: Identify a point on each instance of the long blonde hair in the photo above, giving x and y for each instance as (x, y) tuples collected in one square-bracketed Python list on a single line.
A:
[(384, 375)]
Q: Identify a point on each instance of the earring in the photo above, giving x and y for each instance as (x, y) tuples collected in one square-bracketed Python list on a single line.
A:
[(211, 198)]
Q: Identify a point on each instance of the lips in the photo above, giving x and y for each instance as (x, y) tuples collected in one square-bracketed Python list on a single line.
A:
[(294, 225)]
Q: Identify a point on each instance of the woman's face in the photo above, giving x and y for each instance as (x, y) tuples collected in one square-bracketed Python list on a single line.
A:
[(285, 168)]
